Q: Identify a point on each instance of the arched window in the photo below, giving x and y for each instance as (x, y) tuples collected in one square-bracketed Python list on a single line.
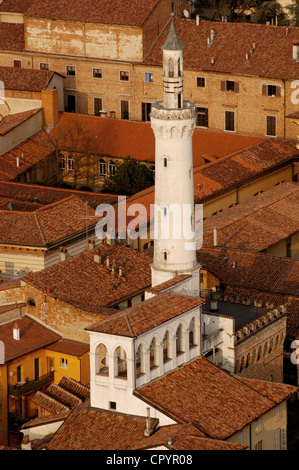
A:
[(180, 346), (253, 357), (179, 68), (270, 346), (102, 167), (241, 366), (192, 334), (259, 354), (102, 358), (140, 366), (247, 363), (120, 363), (166, 347), (111, 167), (171, 68), (154, 357)]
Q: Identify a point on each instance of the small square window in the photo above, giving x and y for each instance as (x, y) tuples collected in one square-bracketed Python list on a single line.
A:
[(271, 90), (97, 73), (71, 70), (149, 77), (17, 63), (201, 82), (44, 66), (63, 363), (123, 75), (112, 405), (230, 85)]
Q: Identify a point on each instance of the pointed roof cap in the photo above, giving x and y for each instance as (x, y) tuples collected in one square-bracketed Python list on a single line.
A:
[(172, 42)]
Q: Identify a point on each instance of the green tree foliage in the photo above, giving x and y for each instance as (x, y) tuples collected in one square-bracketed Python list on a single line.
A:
[(130, 177)]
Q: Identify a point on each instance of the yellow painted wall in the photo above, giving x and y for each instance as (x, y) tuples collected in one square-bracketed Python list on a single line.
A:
[(267, 435), (78, 368)]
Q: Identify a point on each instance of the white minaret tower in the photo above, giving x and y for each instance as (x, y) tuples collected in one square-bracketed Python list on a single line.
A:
[(173, 122)]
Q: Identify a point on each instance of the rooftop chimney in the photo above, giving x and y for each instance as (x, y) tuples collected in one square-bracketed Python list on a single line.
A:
[(63, 253), (120, 271), (18, 161), (91, 244), (107, 262), (295, 50), (215, 236), (97, 257), (16, 332), (197, 20), (148, 430), (50, 106)]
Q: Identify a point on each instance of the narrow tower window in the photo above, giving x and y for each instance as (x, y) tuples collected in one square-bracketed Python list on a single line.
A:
[(165, 161), (179, 68), (171, 68)]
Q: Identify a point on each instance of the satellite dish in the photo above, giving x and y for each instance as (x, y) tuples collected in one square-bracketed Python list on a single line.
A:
[(186, 13)]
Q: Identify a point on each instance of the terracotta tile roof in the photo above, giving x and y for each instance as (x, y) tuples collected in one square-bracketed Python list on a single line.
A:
[(33, 150), (230, 53), (48, 403), (71, 347), (12, 37), (230, 170), (47, 225), (217, 403), (147, 315), (91, 286), (63, 396), (75, 387), (257, 223), (168, 284), (255, 271), (33, 336), (242, 165), (22, 79), (11, 121), (121, 138), (40, 420), (125, 12), (15, 6), (184, 437), (95, 429), (35, 195)]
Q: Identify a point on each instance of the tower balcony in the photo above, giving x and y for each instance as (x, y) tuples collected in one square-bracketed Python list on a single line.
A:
[(188, 111)]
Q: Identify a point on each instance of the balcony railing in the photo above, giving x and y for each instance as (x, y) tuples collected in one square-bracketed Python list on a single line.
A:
[(22, 388)]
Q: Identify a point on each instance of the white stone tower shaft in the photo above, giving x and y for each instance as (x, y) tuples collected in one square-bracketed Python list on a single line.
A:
[(173, 122)]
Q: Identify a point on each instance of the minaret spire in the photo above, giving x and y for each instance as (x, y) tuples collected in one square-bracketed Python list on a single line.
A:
[(173, 69), (173, 122)]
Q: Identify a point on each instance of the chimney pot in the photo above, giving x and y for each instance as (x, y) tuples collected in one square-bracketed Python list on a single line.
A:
[(16, 332)]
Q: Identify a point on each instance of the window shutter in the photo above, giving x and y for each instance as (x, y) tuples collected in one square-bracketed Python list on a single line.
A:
[(237, 87), (264, 90), (278, 92), (283, 438), (277, 439), (222, 85)]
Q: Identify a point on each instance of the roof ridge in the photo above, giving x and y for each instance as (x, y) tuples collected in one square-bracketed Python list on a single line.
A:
[(254, 210)]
